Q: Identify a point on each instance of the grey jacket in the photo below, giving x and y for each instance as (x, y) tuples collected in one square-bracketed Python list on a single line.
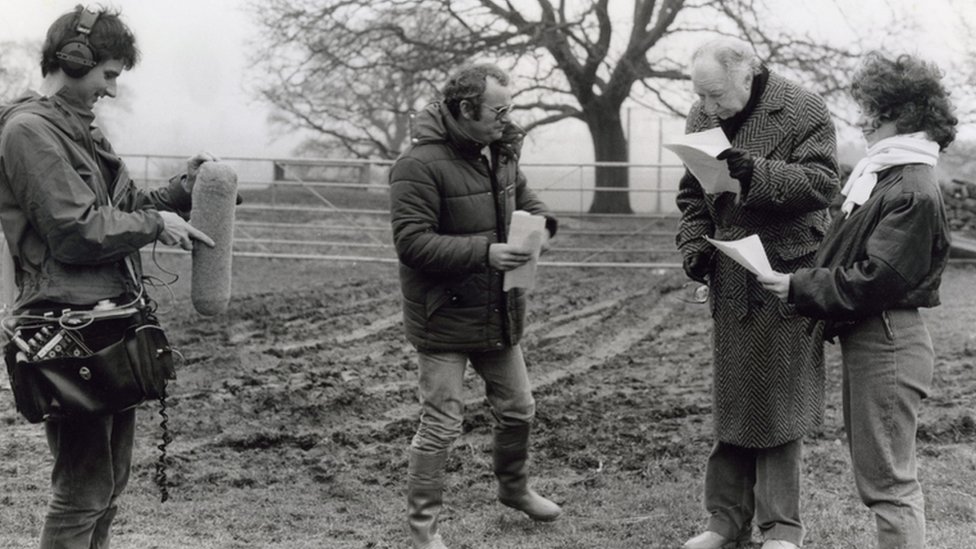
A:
[(69, 229)]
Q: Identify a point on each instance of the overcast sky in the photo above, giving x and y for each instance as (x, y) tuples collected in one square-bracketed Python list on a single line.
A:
[(187, 93)]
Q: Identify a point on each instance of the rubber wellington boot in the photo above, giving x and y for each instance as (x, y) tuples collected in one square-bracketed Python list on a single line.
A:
[(511, 457), (425, 490)]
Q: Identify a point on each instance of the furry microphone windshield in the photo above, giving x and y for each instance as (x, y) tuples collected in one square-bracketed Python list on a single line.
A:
[(214, 197)]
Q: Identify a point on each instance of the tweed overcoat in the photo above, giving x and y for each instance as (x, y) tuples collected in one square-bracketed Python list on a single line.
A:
[(448, 204), (768, 361)]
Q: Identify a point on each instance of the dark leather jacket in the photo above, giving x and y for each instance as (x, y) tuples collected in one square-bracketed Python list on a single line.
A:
[(889, 254)]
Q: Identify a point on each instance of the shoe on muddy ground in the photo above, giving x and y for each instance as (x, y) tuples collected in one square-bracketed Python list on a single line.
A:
[(779, 544), (709, 540), (532, 504), (435, 543)]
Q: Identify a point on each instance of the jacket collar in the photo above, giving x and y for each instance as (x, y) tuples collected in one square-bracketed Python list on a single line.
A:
[(69, 104), (773, 99), (60, 109), (436, 124), (767, 119)]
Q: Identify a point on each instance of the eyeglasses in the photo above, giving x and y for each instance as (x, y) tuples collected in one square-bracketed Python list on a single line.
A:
[(502, 111)]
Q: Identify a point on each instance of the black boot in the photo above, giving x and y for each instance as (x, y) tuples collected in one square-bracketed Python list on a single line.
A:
[(511, 456), (425, 488)]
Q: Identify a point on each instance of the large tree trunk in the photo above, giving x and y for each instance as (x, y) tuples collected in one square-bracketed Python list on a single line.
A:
[(609, 145)]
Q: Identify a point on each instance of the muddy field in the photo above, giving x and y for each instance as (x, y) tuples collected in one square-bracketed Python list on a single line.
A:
[(292, 413)]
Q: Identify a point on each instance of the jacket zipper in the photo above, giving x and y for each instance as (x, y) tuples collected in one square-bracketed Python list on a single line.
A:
[(500, 229)]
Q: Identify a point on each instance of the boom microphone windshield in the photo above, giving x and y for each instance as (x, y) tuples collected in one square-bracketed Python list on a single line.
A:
[(214, 196)]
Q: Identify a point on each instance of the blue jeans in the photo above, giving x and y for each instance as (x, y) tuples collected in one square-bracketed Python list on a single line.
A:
[(507, 389), (761, 483), (887, 371), (92, 458)]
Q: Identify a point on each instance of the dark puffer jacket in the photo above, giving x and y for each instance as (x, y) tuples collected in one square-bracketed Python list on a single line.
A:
[(447, 207)]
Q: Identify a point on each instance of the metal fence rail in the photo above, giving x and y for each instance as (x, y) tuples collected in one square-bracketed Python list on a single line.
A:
[(335, 210)]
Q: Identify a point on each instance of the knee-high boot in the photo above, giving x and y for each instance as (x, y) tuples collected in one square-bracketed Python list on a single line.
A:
[(425, 489), (511, 456)]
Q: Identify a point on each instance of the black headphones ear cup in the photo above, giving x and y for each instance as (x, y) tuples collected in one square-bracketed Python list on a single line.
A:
[(76, 57)]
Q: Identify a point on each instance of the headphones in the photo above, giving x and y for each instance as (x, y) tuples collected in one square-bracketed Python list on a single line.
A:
[(76, 56)]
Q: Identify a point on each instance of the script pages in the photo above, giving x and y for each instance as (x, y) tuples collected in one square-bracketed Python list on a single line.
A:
[(698, 151), (748, 252), (525, 231)]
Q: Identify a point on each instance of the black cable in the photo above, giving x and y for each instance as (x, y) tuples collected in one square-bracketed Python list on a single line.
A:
[(155, 261), (161, 463)]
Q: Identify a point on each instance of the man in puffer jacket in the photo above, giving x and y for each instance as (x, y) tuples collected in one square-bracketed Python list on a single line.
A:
[(452, 197)]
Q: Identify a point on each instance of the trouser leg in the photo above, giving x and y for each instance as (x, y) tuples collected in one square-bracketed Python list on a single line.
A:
[(92, 459), (510, 396), (441, 383), (123, 436), (777, 492), (888, 371), (730, 476)]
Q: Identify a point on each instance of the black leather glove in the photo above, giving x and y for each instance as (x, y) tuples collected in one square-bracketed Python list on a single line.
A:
[(741, 165), (698, 266)]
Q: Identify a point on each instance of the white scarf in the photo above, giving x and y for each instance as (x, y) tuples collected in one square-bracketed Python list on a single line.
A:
[(912, 148)]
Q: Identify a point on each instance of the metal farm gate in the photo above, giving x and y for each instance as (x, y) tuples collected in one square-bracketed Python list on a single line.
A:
[(337, 210)]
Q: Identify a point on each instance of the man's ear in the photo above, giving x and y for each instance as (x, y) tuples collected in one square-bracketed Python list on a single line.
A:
[(466, 109), (747, 80)]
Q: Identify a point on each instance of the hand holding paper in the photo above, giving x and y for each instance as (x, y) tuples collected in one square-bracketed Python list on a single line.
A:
[(748, 252), (698, 151), (778, 284)]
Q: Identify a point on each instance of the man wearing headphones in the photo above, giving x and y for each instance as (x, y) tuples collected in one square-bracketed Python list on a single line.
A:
[(75, 221)]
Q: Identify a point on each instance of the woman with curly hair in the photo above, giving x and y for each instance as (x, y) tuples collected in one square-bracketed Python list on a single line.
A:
[(881, 260)]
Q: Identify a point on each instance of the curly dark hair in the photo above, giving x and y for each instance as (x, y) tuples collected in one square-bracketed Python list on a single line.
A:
[(110, 38), (469, 83), (907, 91)]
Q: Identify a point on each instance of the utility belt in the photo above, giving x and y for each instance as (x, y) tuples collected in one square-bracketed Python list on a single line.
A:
[(74, 363)]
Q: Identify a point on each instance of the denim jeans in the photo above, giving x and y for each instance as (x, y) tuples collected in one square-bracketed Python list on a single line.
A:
[(92, 458), (507, 389), (888, 363), (743, 483)]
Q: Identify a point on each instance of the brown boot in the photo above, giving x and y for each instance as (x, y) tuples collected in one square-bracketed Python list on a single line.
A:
[(425, 488), (511, 456)]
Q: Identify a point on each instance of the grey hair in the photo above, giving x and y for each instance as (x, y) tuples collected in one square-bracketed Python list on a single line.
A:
[(734, 55)]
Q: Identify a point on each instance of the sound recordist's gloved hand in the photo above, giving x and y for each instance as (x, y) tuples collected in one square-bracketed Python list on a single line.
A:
[(193, 167), (741, 165), (178, 232)]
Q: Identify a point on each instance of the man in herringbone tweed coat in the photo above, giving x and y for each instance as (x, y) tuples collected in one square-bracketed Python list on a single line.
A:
[(768, 362)]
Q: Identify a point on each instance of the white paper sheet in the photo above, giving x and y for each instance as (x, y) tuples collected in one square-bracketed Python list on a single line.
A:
[(748, 252), (698, 151), (525, 231)]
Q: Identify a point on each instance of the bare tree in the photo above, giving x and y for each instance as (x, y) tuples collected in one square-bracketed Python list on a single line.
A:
[(20, 68), (579, 60), (350, 71)]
